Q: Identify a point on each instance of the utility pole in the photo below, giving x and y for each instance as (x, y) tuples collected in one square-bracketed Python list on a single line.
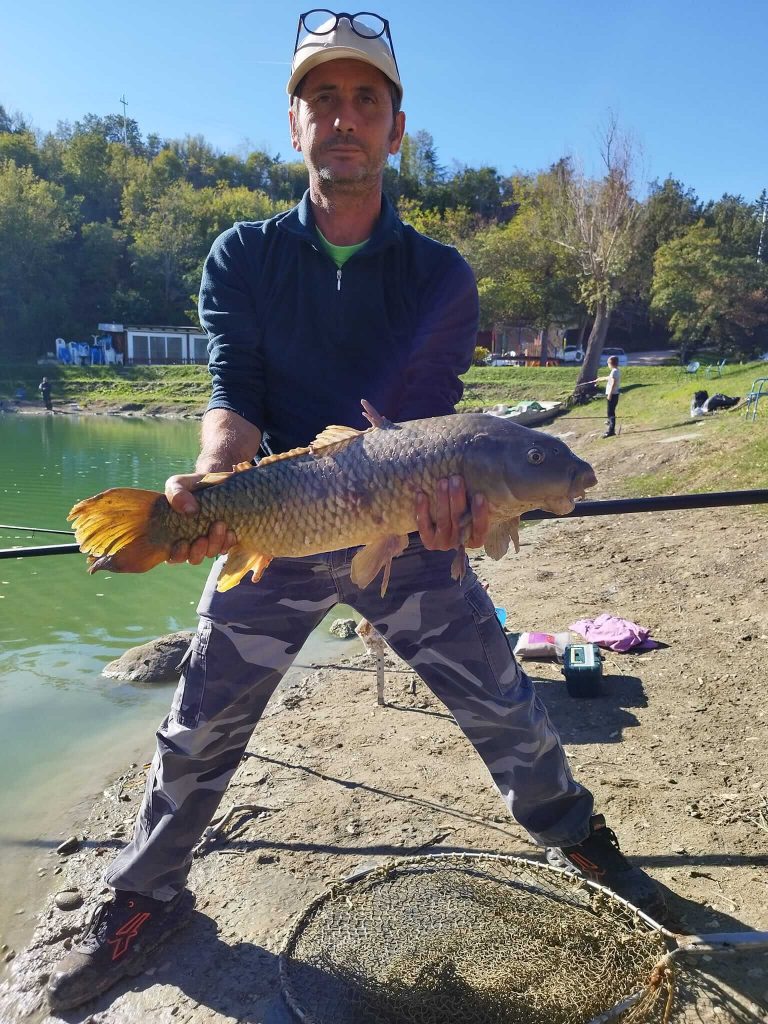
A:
[(763, 204), (125, 121)]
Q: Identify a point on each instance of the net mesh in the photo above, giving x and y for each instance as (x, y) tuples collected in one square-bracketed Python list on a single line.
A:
[(459, 939)]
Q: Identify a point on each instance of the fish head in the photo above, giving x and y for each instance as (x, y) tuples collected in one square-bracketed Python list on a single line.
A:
[(527, 469)]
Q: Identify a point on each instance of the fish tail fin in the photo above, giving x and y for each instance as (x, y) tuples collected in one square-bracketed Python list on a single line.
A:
[(238, 563), (113, 529)]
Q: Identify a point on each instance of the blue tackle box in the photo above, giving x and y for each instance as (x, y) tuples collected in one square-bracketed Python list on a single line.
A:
[(583, 670)]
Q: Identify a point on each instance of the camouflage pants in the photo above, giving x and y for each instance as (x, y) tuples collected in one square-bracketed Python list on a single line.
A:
[(249, 636)]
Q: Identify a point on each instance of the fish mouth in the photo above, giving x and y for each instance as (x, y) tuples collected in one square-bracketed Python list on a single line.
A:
[(564, 505)]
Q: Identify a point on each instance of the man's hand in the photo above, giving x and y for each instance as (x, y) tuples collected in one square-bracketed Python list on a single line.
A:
[(218, 540), (454, 518)]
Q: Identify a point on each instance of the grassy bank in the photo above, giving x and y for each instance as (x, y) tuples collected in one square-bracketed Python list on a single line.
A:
[(137, 388), (731, 452)]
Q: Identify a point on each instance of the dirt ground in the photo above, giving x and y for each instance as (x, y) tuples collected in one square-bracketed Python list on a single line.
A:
[(332, 782)]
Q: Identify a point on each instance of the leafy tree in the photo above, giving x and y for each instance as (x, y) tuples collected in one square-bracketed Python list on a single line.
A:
[(482, 190), (112, 128), (710, 290), (523, 278), (13, 123), (86, 167), (98, 263), (454, 226), (419, 172), (171, 241), (21, 147), (34, 228)]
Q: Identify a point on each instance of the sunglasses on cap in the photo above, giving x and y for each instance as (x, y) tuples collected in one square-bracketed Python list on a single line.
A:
[(321, 22)]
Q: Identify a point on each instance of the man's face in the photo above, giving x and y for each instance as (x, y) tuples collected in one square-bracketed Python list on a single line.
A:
[(343, 124)]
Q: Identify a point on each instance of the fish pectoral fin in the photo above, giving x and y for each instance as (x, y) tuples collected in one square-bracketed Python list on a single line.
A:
[(377, 555), (499, 536), (459, 564), (238, 563)]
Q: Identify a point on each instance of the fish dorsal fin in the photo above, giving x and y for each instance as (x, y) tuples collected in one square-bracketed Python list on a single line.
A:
[(375, 418), (294, 453), (211, 479), (334, 439)]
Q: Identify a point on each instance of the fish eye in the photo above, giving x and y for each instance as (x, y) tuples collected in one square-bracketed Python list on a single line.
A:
[(536, 456)]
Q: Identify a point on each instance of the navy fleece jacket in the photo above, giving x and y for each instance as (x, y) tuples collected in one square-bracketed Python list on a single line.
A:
[(294, 343)]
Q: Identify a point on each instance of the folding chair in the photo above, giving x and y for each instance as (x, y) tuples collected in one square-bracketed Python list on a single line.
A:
[(690, 368), (715, 368), (758, 390)]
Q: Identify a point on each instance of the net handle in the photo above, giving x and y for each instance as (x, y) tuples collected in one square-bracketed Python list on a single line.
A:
[(691, 945)]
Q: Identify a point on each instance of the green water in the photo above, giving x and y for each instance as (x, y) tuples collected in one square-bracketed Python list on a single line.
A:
[(65, 732)]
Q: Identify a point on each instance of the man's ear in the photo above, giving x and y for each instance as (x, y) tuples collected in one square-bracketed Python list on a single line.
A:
[(292, 120), (398, 131)]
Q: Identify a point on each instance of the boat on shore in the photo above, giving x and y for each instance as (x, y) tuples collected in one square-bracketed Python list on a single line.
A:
[(527, 413)]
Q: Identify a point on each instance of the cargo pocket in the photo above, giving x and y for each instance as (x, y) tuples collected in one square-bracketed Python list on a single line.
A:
[(495, 643), (188, 698)]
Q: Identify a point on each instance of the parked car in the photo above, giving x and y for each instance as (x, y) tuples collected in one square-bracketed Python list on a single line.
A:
[(613, 352), (572, 354)]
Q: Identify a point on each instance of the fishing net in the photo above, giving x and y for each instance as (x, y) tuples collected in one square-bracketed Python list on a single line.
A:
[(470, 938)]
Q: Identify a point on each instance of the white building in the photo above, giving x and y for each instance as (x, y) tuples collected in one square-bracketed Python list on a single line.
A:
[(155, 345)]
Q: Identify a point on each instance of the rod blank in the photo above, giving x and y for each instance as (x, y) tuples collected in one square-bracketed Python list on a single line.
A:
[(663, 503), (35, 529)]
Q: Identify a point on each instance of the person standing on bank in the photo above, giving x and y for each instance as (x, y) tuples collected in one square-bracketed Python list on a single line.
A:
[(44, 387), (612, 390), (307, 313)]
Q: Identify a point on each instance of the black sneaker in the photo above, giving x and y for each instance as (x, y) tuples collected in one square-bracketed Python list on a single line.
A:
[(599, 858), (117, 941)]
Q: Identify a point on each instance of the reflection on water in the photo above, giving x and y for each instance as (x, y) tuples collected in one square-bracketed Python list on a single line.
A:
[(64, 730)]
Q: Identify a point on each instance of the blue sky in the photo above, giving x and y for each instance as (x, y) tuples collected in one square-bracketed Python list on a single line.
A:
[(512, 85)]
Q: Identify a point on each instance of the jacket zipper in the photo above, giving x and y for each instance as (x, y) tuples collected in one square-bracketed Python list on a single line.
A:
[(338, 279)]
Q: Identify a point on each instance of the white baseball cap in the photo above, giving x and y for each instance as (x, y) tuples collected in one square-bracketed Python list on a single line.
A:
[(335, 39)]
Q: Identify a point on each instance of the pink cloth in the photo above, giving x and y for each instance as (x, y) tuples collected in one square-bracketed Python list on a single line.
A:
[(614, 633)]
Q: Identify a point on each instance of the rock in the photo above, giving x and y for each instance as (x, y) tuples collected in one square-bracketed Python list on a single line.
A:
[(68, 846), (154, 662), (342, 628), (68, 899)]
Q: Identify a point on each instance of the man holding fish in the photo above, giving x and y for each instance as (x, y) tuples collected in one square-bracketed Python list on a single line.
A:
[(308, 313)]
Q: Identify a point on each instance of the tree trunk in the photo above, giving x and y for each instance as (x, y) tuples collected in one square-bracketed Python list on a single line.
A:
[(595, 344), (582, 332)]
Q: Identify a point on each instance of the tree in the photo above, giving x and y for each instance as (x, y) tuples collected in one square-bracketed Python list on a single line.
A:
[(34, 228), (172, 239), (523, 277), (454, 226), (112, 128), (419, 172), (711, 290), (86, 165), (596, 221)]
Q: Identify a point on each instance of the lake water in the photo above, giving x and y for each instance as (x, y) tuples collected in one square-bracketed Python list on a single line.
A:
[(65, 731)]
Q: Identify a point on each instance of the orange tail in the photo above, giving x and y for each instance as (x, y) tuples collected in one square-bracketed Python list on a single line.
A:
[(113, 529)]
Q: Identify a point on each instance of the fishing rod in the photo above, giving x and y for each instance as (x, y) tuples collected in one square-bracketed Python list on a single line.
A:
[(661, 503), (606, 507), (35, 529)]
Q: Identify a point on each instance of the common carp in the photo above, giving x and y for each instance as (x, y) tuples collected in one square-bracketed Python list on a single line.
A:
[(348, 487)]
